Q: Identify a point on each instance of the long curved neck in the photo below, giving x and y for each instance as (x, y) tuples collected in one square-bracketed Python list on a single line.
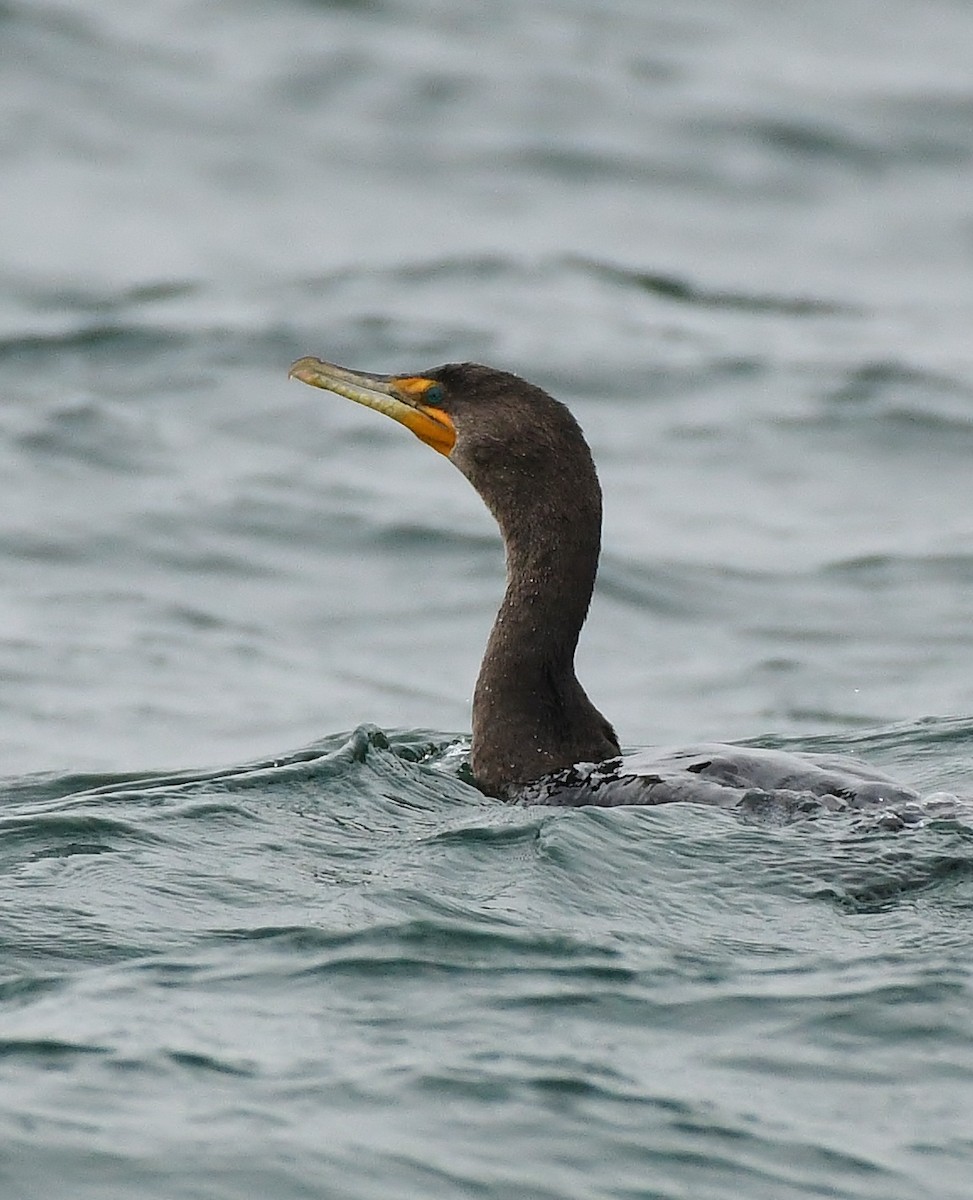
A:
[(530, 713)]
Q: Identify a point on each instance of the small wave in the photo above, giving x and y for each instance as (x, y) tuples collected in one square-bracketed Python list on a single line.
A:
[(115, 339), (415, 751), (902, 881), (49, 1050), (195, 1061), (682, 291), (61, 834), (903, 394), (908, 737), (95, 432), (455, 945), (883, 569), (673, 588)]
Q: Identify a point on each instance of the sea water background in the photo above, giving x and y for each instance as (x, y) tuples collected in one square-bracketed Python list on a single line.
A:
[(738, 239)]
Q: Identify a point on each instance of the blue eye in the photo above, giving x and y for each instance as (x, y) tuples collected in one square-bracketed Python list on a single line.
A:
[(433, 395)]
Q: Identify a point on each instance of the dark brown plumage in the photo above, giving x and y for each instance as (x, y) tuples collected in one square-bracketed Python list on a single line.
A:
[(525, 454), (536, 735)]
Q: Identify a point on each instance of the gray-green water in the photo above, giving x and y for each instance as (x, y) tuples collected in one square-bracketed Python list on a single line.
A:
[(736, 238)]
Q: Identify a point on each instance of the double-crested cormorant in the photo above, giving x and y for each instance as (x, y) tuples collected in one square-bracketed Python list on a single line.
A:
[(536, 735)]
